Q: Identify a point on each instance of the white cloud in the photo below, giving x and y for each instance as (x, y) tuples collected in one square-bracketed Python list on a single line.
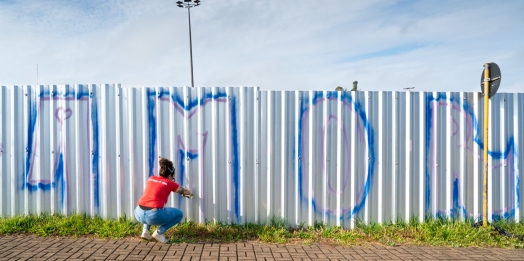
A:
[(284, 45)]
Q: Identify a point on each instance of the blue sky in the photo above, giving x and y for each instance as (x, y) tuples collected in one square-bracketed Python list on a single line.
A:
[(276, 45)]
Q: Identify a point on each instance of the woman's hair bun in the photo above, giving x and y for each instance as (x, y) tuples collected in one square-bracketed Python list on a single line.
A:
[(166, 167), (165, 162)]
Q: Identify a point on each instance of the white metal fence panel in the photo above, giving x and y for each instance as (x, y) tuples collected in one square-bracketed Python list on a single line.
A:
[(250, 155)]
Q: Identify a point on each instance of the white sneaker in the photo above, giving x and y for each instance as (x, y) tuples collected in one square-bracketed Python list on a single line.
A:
[(146, 234), (159, 237)]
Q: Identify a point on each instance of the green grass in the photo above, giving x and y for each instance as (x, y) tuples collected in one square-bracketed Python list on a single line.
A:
[(73, 225), (434, 232)]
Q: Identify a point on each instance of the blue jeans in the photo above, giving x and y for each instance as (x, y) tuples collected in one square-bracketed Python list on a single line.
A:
[(163, 217)]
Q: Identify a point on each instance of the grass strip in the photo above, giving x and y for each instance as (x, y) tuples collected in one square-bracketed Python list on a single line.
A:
[(433, 232)]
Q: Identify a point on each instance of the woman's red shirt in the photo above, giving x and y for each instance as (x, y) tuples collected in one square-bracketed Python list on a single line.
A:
[(157, 191)]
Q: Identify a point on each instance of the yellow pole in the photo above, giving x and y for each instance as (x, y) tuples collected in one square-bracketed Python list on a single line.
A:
[(486, 130)]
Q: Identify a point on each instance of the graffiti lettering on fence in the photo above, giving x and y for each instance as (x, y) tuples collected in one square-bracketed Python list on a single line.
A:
[(364, 140), (331, 126), (185, 110), (435, 177), (45, 145), (461, 108)]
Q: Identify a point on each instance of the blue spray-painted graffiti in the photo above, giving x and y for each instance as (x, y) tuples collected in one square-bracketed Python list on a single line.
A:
[(95, 152), (473, 131), (39, 105), (152, 129), (188, 110), (80, 107), (365, 135)]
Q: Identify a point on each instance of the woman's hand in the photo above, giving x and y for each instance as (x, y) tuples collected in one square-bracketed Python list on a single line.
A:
[(183, 191)]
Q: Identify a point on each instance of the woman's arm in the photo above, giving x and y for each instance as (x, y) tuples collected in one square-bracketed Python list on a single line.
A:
[(183, 191)]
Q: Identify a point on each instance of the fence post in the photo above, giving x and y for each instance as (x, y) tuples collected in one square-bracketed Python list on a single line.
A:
[(486, 132)]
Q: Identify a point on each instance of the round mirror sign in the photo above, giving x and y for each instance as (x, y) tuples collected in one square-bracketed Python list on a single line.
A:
[(494, 79)]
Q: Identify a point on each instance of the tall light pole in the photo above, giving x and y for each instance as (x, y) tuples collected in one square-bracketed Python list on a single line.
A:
[(189, 4)]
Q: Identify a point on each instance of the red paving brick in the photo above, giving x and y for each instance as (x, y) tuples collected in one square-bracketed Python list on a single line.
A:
[(21, 247)]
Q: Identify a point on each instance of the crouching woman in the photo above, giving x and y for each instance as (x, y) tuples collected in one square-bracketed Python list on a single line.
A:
[(150, 208)]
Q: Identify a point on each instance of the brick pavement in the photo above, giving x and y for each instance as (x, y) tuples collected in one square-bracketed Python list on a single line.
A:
[(18, 247)]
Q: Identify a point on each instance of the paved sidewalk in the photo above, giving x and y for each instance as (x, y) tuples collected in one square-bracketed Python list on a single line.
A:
[(52, 248)]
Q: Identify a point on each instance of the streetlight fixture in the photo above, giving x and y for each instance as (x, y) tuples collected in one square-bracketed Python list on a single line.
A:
[(189, 4), (409, 88)]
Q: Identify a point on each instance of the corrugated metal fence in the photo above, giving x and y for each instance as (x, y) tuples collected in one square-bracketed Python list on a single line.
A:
[(249, 155)]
